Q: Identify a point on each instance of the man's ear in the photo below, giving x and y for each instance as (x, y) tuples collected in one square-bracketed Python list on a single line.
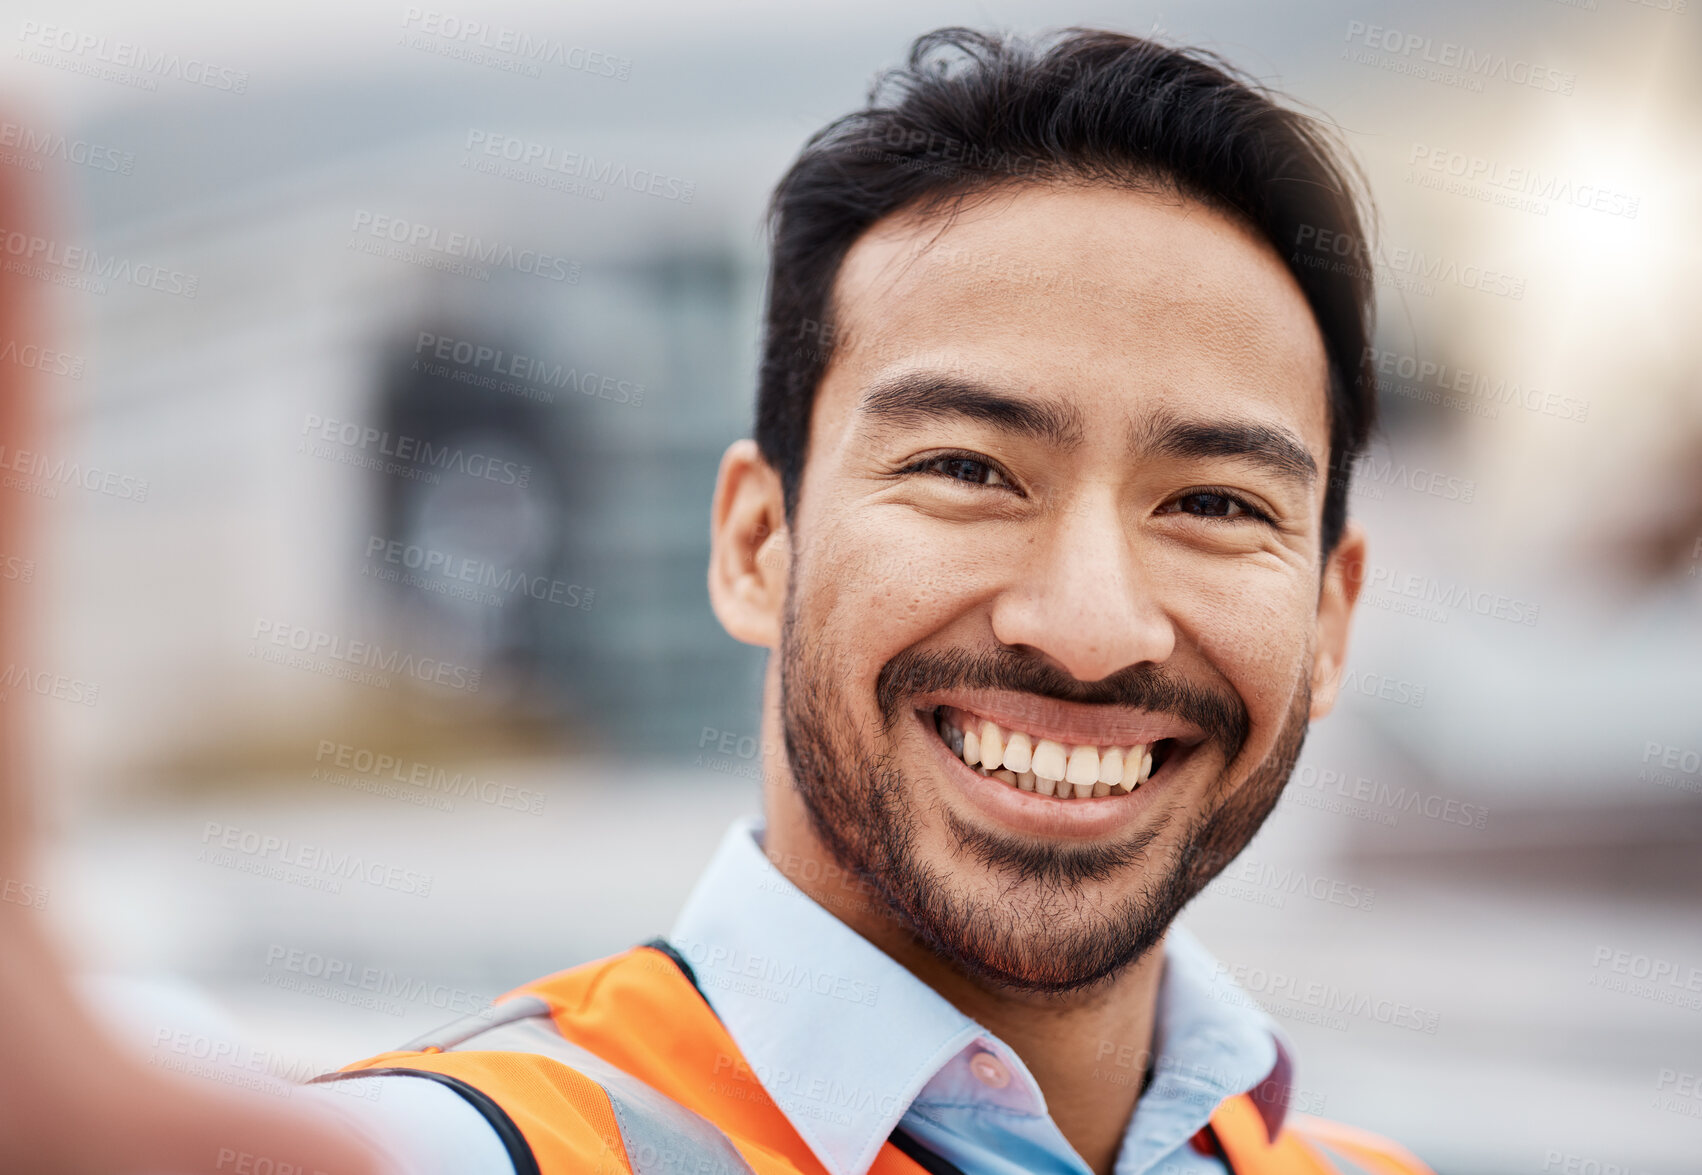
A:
[(1343, 577), (749, 550)]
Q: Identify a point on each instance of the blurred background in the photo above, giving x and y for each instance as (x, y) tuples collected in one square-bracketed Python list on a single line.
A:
[(389, 368)]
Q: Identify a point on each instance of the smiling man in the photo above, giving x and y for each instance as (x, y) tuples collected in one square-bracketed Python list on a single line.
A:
[(1039, 526)]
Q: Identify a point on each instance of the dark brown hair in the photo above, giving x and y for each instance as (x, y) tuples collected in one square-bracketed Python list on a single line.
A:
[(970, 111)]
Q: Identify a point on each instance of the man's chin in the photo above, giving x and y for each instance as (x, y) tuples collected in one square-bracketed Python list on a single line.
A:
[(1036, 943), (1032, 916)]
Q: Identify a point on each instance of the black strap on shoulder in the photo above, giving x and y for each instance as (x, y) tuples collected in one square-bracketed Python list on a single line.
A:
[(923, 1157), (667, 948), (1222, 1155), (519, 1150)]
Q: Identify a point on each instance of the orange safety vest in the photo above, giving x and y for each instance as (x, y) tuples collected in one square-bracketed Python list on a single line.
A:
[(620, 1067)]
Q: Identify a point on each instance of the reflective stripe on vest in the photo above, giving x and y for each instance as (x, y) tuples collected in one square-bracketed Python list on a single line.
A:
[(660, 1136), (599, 1068)]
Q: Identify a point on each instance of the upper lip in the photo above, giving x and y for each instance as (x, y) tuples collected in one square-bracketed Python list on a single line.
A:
[(1077, 723)]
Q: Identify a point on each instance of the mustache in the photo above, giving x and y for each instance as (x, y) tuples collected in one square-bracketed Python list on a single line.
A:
[(1144, 686)]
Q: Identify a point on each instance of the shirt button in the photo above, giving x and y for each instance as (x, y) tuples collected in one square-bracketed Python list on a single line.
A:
[(989, 1070)]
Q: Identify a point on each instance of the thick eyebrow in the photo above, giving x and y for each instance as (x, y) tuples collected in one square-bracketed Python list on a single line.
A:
[(1272, 448), (924, 395), (915, 396)]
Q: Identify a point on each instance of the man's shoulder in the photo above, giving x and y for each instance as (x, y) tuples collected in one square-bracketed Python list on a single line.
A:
[(650, 971), (1299, 1144), (1353, 1151)]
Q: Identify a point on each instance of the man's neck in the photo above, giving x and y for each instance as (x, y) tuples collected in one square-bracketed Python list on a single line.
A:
[(1087, 1050)]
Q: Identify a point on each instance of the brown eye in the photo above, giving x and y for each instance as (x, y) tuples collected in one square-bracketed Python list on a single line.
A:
[(1215, 504), (1210, 505), (964, 469), (960, 467)]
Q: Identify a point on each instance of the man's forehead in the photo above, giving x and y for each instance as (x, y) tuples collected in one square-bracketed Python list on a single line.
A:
[(1058, 283)]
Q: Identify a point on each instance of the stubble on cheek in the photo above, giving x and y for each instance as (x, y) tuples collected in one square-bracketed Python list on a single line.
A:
[(1043, 917)]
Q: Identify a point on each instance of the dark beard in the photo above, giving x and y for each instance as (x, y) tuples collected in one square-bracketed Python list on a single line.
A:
[(863, 812)]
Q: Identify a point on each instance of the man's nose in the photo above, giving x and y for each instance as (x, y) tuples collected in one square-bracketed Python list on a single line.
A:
[(1080, 596)]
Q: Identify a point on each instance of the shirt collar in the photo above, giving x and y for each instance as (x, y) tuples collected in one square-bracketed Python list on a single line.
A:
[(1211, 1041), (844, 1038)]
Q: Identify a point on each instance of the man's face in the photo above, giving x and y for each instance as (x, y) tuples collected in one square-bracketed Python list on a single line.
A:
[(1063, 489)]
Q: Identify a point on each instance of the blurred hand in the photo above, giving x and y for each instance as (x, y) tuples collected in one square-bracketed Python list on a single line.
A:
[(71, 1100)]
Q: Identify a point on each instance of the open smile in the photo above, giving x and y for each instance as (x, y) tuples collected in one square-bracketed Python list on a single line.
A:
[(1029, 761), (1042, 799)]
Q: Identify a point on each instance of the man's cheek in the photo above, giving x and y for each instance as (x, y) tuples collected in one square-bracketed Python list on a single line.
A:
[(895, 579), (1261, 651)]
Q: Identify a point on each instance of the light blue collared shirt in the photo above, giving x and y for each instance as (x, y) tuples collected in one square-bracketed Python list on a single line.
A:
[(849, 1044)]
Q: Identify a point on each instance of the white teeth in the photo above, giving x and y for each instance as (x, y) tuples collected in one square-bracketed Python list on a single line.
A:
[(992, 745), (1111, 765), (1044, 766), (1019, 752), (1083, 766), (1048, 762)]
